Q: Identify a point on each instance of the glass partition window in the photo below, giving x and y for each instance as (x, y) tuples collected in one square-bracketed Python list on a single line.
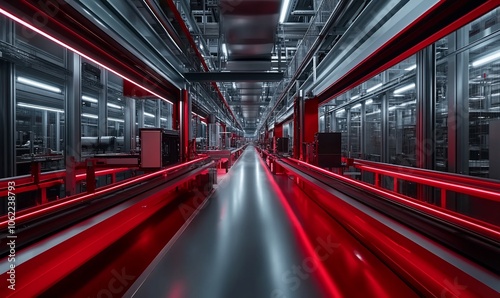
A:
[(402, 124), (39, 120), (484, 106), (116, 116), (340, 117), (90, 114), (150, 111), (441, 124), (166, 115), (373, 133), (484, 26), (355, 131)]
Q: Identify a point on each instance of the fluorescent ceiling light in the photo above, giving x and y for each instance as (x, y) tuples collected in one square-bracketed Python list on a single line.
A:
[(495, 94), (374, 87), (356, 106), (92, 116), (38, 84), (163, 119), (392, 108), (369, 101), (112, 105), (41, 32), (149, 115), (411, 67), (234, 85), (404, 88), (27, 105), (89, 99), (486, 59), (355, 97), (339, 112), (284, 10), (116, 120)]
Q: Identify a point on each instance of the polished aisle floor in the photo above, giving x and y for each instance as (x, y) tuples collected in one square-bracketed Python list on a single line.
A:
[(243, 243)]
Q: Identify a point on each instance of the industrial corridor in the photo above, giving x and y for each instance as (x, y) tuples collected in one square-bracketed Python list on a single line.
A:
[(249, 149), (252, 240)]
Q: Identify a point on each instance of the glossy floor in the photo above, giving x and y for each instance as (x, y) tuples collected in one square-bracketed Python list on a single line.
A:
[(254, 240)]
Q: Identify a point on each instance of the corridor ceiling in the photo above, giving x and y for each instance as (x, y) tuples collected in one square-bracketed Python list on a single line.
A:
[(244, 37)]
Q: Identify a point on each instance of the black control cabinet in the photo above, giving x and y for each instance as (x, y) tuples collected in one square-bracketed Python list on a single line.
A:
[(328, 149)]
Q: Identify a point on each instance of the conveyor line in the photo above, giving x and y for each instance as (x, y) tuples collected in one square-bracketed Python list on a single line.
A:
[(252, 240)]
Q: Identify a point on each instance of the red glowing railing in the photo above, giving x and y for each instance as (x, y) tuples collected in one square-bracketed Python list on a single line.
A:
[(467, 222), (69, 201), (44, 181), (482, 188), (425, 270)]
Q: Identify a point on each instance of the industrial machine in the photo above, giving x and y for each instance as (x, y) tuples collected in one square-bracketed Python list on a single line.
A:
[(281, 145), (327, 149), (159, 147)]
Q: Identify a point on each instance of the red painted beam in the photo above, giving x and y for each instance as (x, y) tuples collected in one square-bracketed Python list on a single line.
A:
[(442, 19), (68, 26), (68, 202)]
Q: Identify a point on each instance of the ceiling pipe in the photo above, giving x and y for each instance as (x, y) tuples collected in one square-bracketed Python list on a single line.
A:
[(335, 16), (188, 35), (303, 12)]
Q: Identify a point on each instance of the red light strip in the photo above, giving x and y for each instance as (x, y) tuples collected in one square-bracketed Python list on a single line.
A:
[(99, 192), (333, 290), (102, 172), (486, 194), (495, 234), (18, 20), (467, 180)]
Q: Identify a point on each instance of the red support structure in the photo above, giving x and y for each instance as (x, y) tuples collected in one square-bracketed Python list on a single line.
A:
[(296, 128), (310, 119), (185, 124), (278, 130)]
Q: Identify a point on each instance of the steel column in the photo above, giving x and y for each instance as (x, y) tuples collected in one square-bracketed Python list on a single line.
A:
[(8, 119), (426, 102), (185, 113), (102, 107), (72, 118), (129, 126)]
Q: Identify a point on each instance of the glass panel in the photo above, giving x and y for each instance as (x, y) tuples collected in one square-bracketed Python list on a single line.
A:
[(373, 129), (341, 126), (402, 121), (484, 26), (355, 131), (484, 106), (150, 107), (166, 115), (39, 115), (441, 125)]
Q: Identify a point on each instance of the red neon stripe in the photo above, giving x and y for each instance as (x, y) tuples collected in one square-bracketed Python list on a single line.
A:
[(435, 211), (98, 192), (490, 195), (18, 20), (323, 273)]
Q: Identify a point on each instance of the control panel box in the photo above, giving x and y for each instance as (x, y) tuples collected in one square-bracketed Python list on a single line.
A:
[(328, 149), (159, 147)]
